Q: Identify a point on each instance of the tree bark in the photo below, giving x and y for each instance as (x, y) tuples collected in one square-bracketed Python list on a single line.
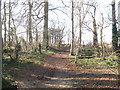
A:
[(36, 36), (45, 32), (101, 33), (9, 26), (114, 28), (0, 49), (79, 40), (81, 21), (80, 27), (119, 43), (15, 35), (29, 22), (72, 44), (4, 23), (95, 41)]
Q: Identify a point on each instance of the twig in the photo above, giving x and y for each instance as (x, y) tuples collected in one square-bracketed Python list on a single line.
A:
[(114, 52)]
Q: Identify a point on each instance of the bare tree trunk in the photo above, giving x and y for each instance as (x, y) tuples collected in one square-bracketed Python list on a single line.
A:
[(27, 36), (16, 41), (119, 43), (49, 39), (29, 22), (12, 36), (52, 38), (95, 41), (72, 44), (79, 40), (114, 28), (4, 23), (0, 49), (101, 33), (45, 32), (9, 27), (59, 39), (36, 36), (80, 27), (55, 40), (15, 35)]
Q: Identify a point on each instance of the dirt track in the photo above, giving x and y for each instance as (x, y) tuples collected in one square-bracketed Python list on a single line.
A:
[(56, 72)]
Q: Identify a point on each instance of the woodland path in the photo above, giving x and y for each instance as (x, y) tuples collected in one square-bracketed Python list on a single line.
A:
[(56, 72)]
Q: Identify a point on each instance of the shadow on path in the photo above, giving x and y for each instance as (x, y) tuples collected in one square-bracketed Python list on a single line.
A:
[(55, 72)]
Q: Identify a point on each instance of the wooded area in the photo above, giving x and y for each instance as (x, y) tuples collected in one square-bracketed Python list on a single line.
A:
[(40, 50)]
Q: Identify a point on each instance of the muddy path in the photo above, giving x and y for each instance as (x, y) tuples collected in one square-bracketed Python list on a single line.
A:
[(56, 72)]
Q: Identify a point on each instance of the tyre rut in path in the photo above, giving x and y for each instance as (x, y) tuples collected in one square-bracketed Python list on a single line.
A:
[(56, 72)]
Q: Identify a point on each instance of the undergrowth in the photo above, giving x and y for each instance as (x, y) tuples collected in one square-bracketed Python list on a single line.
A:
[(26, 59), (98, 62)]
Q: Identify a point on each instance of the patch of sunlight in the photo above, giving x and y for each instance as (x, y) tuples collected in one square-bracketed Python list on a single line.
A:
[(37, 62), (70, 56), (97, 71), (56, 78), (58, 86), (19, 84), (61, 68)]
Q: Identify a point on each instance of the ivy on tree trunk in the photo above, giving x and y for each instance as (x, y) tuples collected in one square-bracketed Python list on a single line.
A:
[(114, 29)]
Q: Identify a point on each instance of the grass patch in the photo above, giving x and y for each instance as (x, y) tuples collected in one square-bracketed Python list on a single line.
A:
[(98, 62)]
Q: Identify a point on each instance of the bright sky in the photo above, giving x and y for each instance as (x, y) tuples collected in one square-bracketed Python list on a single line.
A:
[(103, 6), (64, 20)]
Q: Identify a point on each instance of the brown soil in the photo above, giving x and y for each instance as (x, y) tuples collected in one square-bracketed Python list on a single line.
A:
[(57, 72)]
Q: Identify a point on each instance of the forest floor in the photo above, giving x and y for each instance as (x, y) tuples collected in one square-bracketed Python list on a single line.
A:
[(57, 72)]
